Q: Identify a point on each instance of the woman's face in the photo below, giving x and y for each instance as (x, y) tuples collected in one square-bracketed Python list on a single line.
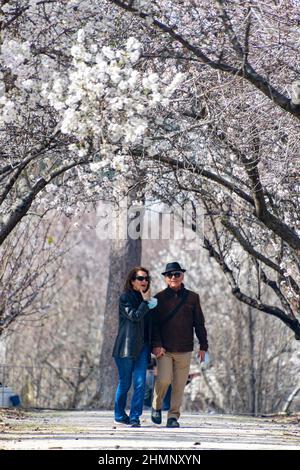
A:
[(140, 283)]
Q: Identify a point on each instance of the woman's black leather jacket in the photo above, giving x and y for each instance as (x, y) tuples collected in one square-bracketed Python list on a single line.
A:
[(132, 312)]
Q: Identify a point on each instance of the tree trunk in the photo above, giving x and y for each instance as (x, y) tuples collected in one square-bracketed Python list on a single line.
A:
[(252, 377), (290, 399), (2, 349), (124, 255)]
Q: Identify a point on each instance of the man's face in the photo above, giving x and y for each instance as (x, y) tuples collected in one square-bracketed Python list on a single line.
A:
[(174, 279)]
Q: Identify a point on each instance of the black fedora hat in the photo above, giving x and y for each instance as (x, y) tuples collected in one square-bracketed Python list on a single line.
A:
[(173, 267)]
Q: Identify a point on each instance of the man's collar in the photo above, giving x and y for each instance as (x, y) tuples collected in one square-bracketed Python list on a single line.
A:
[(175, 293)]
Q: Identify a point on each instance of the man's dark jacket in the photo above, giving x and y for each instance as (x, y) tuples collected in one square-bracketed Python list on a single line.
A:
[(134, 325), (177, 334)]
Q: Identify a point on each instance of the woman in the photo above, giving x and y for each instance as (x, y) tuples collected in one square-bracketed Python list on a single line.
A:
[(132, 346)]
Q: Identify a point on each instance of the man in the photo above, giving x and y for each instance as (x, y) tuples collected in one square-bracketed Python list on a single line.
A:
[(176, 317)]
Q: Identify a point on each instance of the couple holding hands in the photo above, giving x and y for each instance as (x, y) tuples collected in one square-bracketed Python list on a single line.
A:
[(163, 325)]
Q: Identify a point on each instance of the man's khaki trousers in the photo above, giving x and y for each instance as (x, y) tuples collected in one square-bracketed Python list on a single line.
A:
[(172, 368)]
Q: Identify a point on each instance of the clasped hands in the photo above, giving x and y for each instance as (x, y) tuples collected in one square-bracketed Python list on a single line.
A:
[(158, 351)]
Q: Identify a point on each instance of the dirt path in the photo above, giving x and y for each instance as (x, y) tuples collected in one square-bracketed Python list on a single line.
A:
[(96, 430)]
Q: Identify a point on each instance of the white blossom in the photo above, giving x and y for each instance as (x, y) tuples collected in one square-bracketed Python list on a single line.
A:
[(151, 82), (132, 44), (116, 132), (2, 85), (27, 84), (78, 52), (135, 129), (104, 97), (50, 188), (116, 103), (70, 121), (179, 77), (14, 53), (9, 113), (95, 166), (115, 74), (81, 36), (108, 52)]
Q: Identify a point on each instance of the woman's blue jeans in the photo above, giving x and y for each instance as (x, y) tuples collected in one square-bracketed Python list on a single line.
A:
[(131, 370)]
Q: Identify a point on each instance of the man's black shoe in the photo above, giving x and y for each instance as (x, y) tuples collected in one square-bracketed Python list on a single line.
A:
[(172, 423), (156, 416)]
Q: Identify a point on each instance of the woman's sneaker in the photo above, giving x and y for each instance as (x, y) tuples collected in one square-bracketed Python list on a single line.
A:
[(135, 423), (124, 420)]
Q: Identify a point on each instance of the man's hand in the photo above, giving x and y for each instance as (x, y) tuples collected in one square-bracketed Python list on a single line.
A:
[(201, 355), (159, 351)]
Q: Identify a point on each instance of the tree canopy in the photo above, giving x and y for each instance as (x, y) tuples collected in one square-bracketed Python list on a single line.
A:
[(182, 100)]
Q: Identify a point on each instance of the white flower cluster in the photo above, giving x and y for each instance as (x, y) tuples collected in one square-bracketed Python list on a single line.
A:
[(7, 107), (146, 6), (2, 85), (8, 111), (14, 53), (104, 97)]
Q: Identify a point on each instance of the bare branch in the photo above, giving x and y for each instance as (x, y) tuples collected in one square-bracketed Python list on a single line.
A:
[(229, 30), (293, 324), (247, 71)]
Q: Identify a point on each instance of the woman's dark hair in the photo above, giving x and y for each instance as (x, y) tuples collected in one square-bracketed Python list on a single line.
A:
[(132, 275)]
